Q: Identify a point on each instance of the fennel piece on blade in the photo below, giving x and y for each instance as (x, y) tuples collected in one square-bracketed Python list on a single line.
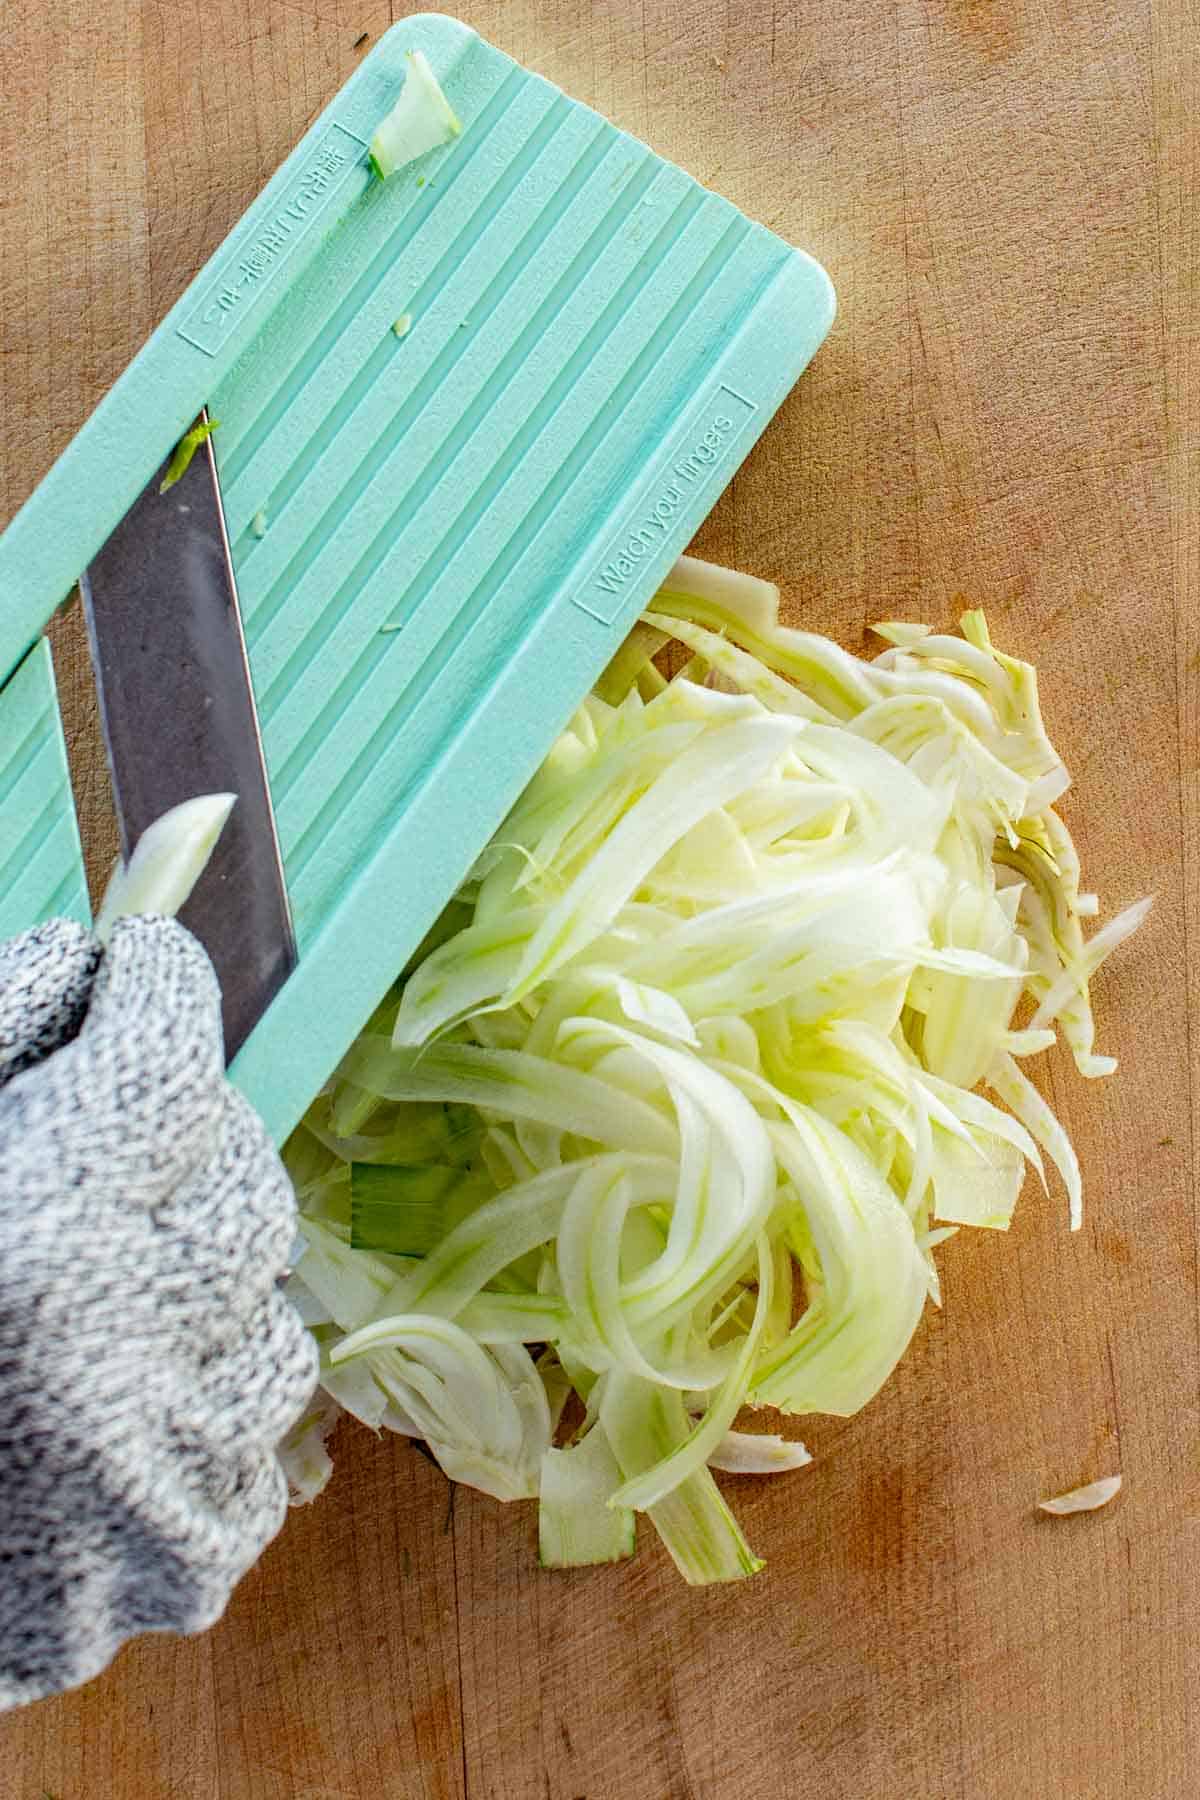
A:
[(167, 861)]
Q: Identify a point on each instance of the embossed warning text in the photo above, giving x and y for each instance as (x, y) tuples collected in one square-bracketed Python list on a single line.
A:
[(668, 504), (249, 268)]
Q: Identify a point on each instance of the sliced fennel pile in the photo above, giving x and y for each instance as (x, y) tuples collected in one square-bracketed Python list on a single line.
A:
[(717, 1042)]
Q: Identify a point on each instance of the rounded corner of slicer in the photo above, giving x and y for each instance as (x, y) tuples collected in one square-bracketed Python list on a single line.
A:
[(429, 30)]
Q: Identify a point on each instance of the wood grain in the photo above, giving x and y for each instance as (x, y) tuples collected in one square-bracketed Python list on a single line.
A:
[(1006, 196)]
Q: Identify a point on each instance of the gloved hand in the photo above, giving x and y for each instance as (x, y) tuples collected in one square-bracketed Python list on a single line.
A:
[(148, 1362)]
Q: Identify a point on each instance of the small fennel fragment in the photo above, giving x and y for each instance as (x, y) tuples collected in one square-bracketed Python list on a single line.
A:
[(1083, 1499), (185, 449), (421, 120)]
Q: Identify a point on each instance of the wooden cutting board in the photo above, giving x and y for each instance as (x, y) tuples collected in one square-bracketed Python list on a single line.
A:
[(1006, 196)]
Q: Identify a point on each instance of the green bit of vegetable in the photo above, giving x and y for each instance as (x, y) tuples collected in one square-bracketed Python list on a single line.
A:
[(184, 451), (697, 1072), (421, 120), (408, 1210)]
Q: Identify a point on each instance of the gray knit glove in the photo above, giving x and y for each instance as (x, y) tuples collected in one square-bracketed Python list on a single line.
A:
[(148, 1362)]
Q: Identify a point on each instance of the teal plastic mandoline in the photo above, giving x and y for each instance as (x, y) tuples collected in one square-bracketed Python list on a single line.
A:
[(593, 343)]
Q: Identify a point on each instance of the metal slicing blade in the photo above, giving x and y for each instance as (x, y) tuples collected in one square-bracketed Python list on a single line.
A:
[(179, 720)]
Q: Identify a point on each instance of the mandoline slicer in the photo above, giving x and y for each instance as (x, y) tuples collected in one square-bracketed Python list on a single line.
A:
[(469, 417)]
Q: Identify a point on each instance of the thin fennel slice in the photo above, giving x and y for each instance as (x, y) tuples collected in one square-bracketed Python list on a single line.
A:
[(646, 1426), (577, 1524)]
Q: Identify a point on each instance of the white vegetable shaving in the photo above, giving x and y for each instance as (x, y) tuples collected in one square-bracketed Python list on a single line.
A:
[(758, 1453), (421, 120), (1084, 1499)]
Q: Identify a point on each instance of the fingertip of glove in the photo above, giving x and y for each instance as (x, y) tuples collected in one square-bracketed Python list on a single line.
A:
[(146, 940), (152, 1047), (156, 974)]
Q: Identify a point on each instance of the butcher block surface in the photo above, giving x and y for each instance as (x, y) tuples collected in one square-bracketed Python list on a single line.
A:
[(1006, 196)]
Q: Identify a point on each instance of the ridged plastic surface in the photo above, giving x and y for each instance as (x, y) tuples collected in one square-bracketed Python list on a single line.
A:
[(468, 419), (41, 868), (567, 293)]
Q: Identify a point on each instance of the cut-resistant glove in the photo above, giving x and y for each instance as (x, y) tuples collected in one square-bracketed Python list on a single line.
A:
[(149, 1364)]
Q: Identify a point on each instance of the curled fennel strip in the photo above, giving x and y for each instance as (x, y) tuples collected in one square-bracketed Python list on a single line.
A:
[(720, 1039)]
